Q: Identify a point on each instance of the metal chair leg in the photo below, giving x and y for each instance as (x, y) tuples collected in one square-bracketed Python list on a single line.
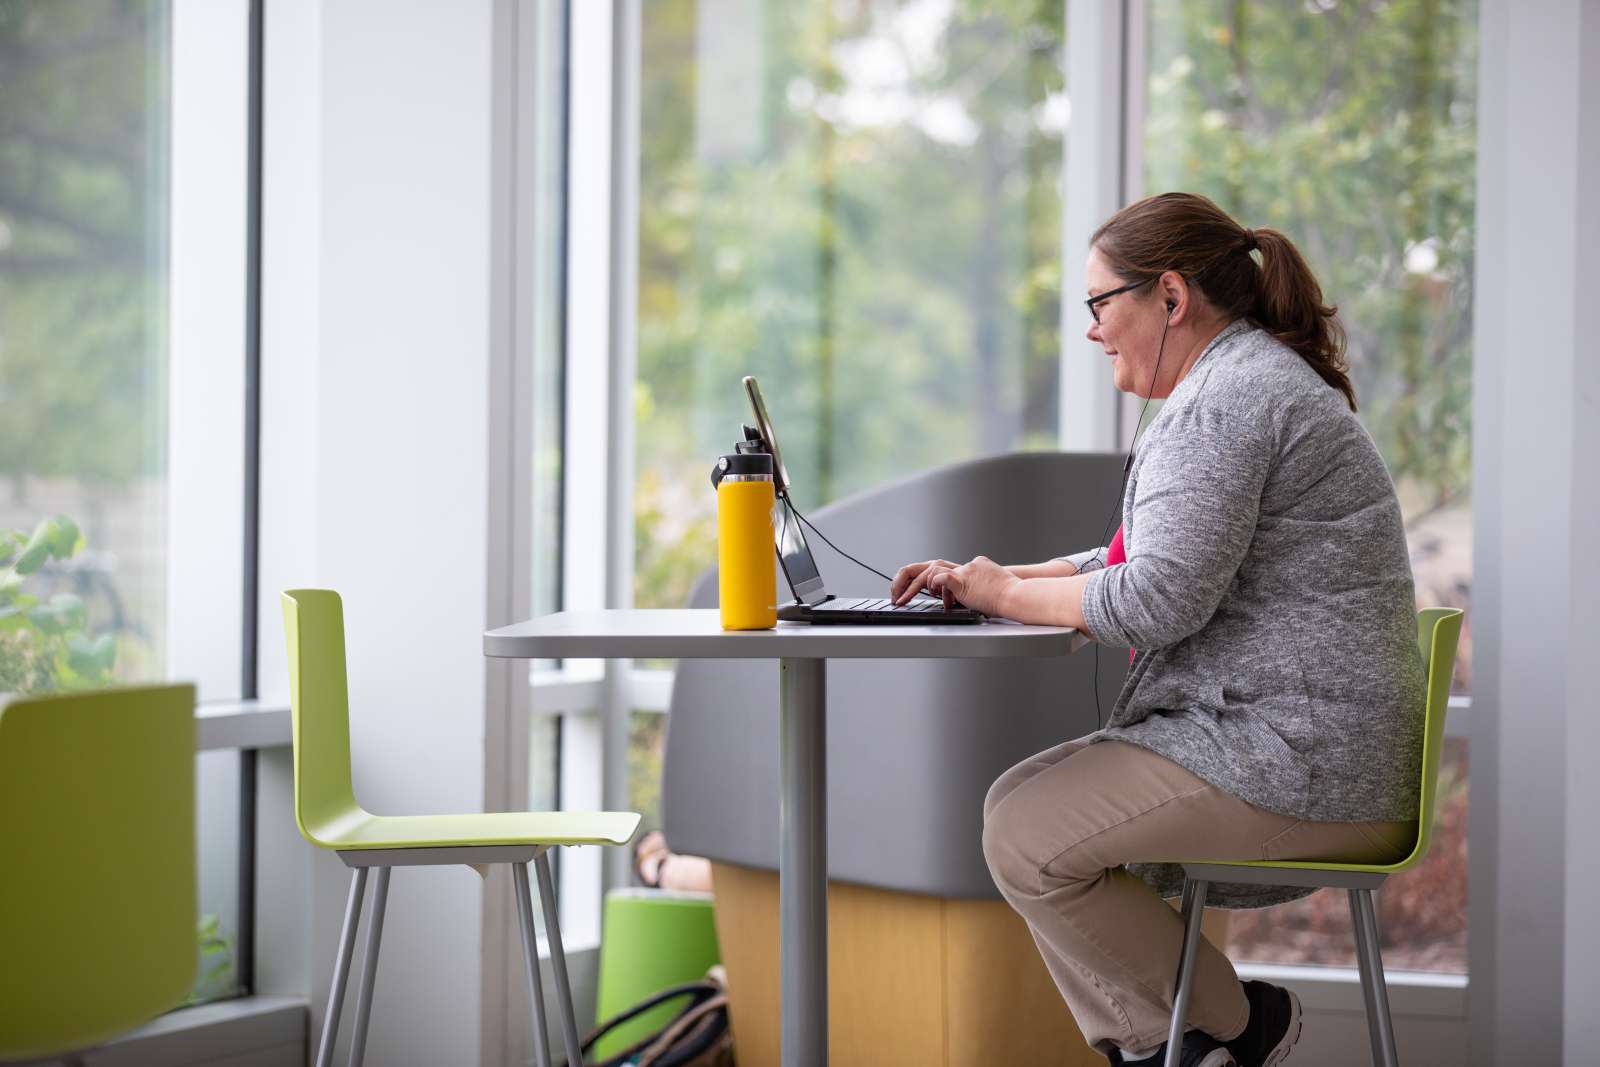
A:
[(1194, 908), (1363, 969), (341, 968), (1380, 1025), (530, 960), (558, 958), (369, 968)]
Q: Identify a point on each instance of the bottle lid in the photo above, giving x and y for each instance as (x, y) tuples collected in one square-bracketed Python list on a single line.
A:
[(749, 465)]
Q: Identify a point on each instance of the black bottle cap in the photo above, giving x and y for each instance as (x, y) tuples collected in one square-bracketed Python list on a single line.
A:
[(746, 463)]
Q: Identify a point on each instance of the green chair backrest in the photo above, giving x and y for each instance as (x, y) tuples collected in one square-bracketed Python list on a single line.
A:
[(97, 894), (313, 624), (1438, 632)]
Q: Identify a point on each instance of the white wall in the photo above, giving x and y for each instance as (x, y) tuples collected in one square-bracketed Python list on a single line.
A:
[(375, 394), (1532, 930)]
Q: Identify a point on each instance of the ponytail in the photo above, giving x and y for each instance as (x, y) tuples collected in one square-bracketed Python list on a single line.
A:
[(1187, 233), (1289, 306)]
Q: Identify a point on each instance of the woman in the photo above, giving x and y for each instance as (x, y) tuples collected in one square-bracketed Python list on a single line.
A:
[(1273, 709)]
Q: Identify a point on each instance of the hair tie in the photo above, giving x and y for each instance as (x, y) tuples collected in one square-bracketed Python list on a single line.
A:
[(1252, 243)]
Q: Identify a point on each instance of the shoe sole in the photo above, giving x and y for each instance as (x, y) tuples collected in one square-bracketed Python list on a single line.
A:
[(1291, 1034), (1219, 1058)]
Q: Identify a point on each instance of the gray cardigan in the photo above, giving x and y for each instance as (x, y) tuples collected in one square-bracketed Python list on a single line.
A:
[(1268, 591)]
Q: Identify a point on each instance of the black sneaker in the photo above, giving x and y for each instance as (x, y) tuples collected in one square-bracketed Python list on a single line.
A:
[(1273, 1028), (1200, 1049)]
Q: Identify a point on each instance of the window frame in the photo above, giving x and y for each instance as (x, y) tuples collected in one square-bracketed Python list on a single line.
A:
[(1408, 991), (202, 398), (1106, 72)]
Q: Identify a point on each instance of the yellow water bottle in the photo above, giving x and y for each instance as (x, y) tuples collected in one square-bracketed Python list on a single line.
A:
[(747, 577)]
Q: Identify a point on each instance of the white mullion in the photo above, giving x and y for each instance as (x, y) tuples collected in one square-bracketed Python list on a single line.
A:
[(588, 435), (205, 358), (1135, 96), (513, 204), (1093, 189), (623, 303), (586, 440), (650, 690), (563, 694), (1135, 73)]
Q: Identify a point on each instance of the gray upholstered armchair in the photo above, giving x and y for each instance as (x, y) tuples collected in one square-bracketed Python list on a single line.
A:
[(912, 745)]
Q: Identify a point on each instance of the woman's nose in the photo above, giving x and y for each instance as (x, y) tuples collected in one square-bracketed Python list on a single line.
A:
[(1093, 332)]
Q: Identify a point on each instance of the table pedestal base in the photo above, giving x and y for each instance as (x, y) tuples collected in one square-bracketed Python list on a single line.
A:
[(803, 860)]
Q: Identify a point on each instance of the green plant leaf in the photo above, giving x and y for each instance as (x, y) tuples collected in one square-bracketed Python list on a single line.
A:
[(69, 608), (11, 542), (64, 537), (91, 658), (32, 557), (47, 620)]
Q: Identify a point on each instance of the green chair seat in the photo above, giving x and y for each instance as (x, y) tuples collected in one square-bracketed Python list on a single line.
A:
[(1438, 633), (358, 830)]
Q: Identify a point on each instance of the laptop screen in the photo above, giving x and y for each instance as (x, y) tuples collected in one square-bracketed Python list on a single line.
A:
[(799, 566)]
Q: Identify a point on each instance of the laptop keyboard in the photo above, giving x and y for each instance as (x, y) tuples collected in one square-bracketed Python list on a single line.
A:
[(869, 604)]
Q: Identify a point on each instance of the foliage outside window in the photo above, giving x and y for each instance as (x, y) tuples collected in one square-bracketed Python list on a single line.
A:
[(43, 642), (647, 747), (83, 298), (84, 280), (1352, 128), (860, 204)]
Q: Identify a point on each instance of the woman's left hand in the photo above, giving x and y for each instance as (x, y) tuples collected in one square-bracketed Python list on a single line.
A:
[(980, 585)]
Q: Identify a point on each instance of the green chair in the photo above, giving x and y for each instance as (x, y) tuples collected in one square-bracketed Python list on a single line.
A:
[(97, 903), (652, 939), (326, 811), (1438, 630)]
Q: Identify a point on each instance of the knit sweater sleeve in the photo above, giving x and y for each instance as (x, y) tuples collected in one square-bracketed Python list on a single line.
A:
[(1194, 511)]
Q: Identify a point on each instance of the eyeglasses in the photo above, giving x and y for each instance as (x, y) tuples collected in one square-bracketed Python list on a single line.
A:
[(1094, 302)]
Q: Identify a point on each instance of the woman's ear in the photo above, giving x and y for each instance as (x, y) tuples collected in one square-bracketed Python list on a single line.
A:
[(1175, 293)]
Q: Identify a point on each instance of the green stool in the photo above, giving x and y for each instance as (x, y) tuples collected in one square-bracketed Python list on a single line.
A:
[(326, 811), (652, 939), (1438, 630), (97, 896)]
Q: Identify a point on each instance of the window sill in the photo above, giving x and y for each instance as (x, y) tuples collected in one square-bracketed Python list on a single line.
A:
[(264, 1031), (1338, 989), (244, 724)]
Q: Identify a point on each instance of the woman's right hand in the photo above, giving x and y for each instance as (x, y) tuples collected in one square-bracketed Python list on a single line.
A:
[(914, 577)]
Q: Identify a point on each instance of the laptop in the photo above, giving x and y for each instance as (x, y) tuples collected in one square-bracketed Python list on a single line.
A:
[(812, 602)]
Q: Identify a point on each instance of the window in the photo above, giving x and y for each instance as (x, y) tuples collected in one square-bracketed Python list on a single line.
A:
[(860, 204), (548, 299), (122, 285), (83, 338), (1352, 128)]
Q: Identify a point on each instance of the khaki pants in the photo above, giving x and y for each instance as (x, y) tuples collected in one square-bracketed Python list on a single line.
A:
[(1056, 830)]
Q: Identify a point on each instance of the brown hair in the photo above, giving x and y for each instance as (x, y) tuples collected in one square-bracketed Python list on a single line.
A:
[(1187, 233)]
